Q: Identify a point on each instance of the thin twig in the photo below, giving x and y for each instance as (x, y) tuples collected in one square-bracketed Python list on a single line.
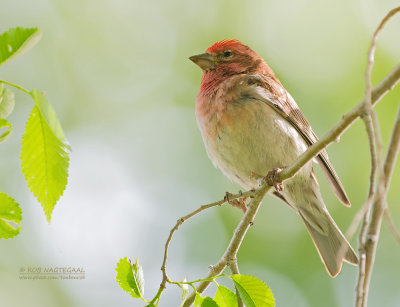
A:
[(392, 225), (370, 229), (179, 222), (236, 241), (347, 120)]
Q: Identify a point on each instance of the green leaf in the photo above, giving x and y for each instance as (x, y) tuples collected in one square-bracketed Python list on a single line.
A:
[(7, 101), (225, 297), (204, 301), (198, 300), (253, 292), (11, 212), (48, 114), (130, 277), (16, 41), (44, 158), (5, 124)]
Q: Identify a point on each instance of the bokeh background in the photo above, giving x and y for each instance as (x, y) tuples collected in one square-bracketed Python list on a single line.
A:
[(117, 73)]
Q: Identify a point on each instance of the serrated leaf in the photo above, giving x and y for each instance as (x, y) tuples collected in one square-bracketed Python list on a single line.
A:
[(48, 114), (7, 101), (253, 292), (130, 277), (225, 297), (16, 41), (5, 124), (9, 212), (44, 161)]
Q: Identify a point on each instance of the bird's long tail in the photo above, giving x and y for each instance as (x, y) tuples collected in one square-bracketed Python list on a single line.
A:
[(331, 244)]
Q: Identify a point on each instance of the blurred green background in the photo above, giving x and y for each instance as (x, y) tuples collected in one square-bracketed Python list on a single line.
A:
[(117, 73)]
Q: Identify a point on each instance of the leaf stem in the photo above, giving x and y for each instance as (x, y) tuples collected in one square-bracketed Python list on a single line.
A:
[(17, 87)]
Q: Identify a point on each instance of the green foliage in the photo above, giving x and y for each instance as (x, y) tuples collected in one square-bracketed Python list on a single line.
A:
[(7, 101), (44, 155), (253, 292), (5, 124), (16, 41), (225, 297), (45, 150), (130, 277), (9, 212), (204, 301)]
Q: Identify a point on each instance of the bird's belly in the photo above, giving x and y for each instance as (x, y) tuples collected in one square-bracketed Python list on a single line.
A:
[(249, 139)]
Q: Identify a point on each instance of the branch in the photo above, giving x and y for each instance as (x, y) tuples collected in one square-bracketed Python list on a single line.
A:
[(387, 84), (179, 222), (378, 208), (236, 241), (371, 225), (392, 225)]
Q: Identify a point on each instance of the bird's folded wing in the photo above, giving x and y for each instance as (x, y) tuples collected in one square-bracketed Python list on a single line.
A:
[(269, 90)]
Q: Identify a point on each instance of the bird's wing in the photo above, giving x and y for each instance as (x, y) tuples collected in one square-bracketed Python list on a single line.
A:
[(270, 90)]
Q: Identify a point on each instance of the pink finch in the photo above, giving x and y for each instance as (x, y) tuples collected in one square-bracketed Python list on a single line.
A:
[(250, 125)]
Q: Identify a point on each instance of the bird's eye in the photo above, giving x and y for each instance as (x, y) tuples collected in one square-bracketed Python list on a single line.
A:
[(228, 54)]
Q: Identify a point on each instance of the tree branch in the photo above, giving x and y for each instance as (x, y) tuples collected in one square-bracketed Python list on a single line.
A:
[(179, 222), (347, 120), (370, 229), (379, 206), (392, 225), (236, 241)]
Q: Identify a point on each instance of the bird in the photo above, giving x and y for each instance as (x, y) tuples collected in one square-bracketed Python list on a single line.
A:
[(250, 125)]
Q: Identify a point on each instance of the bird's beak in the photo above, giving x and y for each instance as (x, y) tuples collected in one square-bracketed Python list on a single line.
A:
[(205, 61)]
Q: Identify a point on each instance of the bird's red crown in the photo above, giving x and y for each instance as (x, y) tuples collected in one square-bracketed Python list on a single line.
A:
[(224, 44)]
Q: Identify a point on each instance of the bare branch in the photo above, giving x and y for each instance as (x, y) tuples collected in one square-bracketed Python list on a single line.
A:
[(370, 229), (392, 225), (236, 241), (347, 120), (179, 222)]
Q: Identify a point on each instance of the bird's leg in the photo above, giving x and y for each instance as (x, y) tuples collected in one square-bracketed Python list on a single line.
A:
[(272, 179), (237, 203)]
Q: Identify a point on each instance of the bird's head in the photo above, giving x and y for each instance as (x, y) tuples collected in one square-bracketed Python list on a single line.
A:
[(229, 57)]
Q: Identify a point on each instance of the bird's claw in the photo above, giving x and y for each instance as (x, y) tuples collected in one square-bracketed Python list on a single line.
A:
[(272, 179)]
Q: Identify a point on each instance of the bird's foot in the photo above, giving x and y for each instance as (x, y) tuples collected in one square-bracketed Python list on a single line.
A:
[(239, 203), (272, 179)]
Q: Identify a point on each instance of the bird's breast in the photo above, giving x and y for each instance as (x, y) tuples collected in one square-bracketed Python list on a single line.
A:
[(246, 138)]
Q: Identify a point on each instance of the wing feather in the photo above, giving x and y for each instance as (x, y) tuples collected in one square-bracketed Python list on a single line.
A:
[(270, 90)]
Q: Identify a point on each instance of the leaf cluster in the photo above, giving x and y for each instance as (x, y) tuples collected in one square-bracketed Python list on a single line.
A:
[(253, 292), (45, 150)]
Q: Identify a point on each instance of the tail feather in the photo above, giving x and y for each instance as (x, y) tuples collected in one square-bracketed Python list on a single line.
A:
[(331, 244)]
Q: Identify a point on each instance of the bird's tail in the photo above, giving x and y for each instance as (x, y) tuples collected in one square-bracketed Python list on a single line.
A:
[(331, 244)]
